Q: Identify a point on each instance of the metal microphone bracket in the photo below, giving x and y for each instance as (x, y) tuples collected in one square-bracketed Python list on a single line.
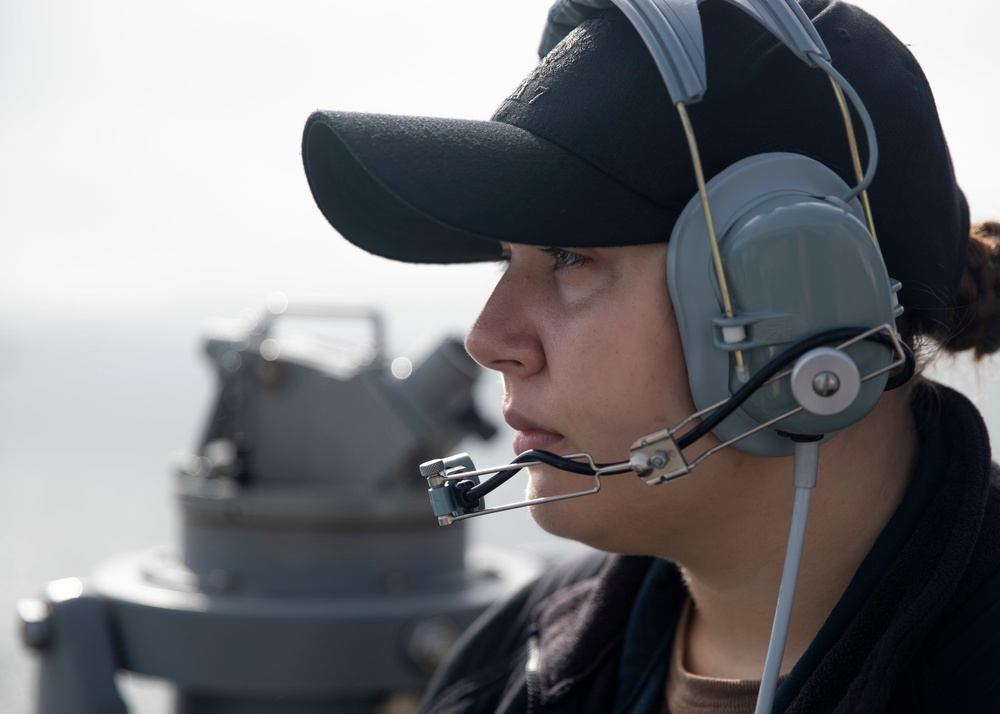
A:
[(445, 495), (657, 459)]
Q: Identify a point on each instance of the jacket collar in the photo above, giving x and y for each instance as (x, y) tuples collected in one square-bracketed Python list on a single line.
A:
[(581, 627)]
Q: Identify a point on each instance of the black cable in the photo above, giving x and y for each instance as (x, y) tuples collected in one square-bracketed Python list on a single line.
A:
[(472, 494), (906, 373)]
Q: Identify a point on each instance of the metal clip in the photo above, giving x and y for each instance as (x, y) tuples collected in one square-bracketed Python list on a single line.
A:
[(656, 458), (440, 475)]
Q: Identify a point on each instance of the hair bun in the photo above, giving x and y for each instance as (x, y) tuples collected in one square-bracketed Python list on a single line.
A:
[(975, 323)]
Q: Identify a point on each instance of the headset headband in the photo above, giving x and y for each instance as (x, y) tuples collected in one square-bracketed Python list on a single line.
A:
[(671, 31)]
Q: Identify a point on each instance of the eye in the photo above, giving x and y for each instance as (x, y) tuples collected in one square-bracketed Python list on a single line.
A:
[(562, 258)]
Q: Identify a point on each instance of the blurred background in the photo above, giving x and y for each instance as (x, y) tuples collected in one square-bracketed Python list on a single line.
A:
[(150, 180)]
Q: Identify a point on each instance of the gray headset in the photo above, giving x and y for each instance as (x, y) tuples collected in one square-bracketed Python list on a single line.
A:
[(797, 255)]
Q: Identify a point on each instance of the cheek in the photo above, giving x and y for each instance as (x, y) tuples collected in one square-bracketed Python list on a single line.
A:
[(630, 382)]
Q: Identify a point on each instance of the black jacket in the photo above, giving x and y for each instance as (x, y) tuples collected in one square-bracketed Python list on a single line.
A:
[(917, 630)]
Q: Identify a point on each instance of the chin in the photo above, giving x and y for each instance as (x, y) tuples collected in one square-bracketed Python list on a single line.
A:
[(591, 529), (561, 519), (564, 518), (604, 520), (582, 519)]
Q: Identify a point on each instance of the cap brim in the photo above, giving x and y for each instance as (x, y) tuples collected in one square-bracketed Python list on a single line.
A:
[(431, 190)]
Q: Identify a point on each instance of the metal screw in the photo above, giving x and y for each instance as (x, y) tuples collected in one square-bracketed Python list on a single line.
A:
[(640, 464), (826, 384), (431, 468), (659, 460), (433, 471)]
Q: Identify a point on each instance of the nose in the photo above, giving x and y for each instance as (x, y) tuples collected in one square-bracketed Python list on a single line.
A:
[(505, 337)]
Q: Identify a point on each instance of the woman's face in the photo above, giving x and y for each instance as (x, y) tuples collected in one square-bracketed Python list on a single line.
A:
[(591, 360)]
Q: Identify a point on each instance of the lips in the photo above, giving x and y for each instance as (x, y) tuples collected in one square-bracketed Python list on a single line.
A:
[(529, 435)]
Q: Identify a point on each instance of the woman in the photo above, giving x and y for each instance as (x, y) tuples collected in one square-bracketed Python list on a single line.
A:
[(576, 184)]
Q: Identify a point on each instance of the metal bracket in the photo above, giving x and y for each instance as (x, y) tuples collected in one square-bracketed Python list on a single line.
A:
[(440, 475), (656, 458)]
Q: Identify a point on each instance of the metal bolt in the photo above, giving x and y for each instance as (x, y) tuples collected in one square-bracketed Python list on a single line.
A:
[(826, 384), (640, 464), (659, 460), (433, 471)]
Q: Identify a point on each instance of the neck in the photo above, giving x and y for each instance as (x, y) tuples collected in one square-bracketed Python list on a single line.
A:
[(734, 581)]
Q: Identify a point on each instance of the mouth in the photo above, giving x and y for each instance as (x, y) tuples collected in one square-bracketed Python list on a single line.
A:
[(530, 436)]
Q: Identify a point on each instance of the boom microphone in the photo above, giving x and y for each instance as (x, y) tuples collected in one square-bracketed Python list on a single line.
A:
[(824, 380)]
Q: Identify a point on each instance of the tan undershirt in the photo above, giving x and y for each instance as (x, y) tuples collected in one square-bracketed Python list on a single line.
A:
[(688, 693)]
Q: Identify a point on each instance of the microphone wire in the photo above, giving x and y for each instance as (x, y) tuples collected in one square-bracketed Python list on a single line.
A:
[(471, 494)]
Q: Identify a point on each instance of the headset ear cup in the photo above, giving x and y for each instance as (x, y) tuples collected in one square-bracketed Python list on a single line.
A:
[(796, 264)]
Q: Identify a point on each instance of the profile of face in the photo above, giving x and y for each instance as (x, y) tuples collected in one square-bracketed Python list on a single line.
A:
[(589, 351)]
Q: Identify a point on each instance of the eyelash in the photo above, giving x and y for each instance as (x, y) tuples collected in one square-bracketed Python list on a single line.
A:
[(562, 258)]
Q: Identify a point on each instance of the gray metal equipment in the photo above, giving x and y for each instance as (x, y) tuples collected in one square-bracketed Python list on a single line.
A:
[(309, 577)]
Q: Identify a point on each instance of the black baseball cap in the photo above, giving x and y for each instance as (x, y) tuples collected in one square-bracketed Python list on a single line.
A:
[(588, 150)]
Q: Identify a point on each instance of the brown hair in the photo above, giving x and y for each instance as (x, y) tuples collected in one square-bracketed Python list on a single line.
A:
[(973, 321)]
